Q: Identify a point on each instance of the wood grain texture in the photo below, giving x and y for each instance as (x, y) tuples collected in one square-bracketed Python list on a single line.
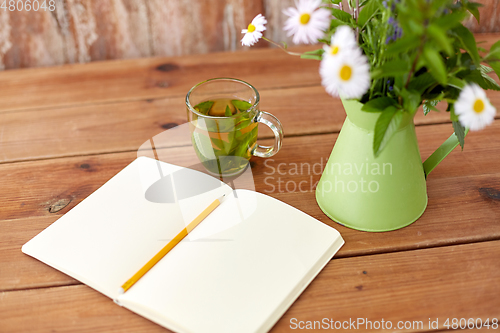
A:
[(30, 39), (194, 27), (88, 30), (463, 197), (65, 131), (450, 282), (69, 131), (75, 178), (442, 283), (77, 31), (276, 20), (128, 80), (490, 17), (80, 31)]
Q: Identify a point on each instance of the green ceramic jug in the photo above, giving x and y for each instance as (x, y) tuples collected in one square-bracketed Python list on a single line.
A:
[(388, 192)]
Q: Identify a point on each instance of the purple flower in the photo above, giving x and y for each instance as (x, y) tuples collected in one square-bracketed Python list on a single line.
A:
[(395, 31)]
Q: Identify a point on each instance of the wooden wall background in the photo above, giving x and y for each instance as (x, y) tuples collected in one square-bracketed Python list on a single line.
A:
[(90, 30)]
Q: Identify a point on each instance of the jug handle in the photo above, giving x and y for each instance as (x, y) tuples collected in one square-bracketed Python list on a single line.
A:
[(446, 148)]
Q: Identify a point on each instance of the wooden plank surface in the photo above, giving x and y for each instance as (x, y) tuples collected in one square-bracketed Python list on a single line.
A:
[(140, 79), (58, 145), (450, 282), (36, 193), (124, 126), (446, 282), (490, 17), (130, 80), (86, 30), (32, 184)]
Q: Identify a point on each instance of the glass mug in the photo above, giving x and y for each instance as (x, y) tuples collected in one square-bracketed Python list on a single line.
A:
[(223, 114)]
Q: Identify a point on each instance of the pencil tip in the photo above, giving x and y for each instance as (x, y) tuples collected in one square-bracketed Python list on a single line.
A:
[(121, 291), (221, 198)]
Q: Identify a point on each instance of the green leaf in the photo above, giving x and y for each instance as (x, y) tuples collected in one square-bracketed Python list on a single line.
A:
[(456, 83), (430, 106), (378, 104), (387, 124), (459, 132), (336, 2), (494, 51), (435, 64), (218, 143), (468, 42), (228, 112), (204, 107), (451, 109), (391, 68), (310, 56), (422, 82), (472, 8), (485, 69), (483, 80), (316, 54), (474, 11), (439, 36), (241, 105), (335, 24), (411, 100), (367, 12), (341, 15), (451, 20), (496, 67), (415, 28), (403, 45), (490, 83)]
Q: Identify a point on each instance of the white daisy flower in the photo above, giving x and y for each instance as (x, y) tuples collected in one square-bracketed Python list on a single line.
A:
[(347, 75), (307, 22), (343, 40), (254, 31), (473, 108)]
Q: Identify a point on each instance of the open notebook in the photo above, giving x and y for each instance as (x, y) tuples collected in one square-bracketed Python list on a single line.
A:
[(238, 271)]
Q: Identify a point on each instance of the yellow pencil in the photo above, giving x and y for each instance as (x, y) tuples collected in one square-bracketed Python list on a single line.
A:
[(126, 286)]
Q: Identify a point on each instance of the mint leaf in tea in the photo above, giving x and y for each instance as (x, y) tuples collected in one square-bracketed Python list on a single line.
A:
[(222, 107), (224, 144)]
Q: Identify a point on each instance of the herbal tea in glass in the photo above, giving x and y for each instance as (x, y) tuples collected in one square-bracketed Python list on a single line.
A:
[(224, 116), (224, 143)]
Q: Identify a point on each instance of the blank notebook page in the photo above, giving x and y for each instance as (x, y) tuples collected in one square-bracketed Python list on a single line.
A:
[(241, 279), (238, 271), (110, 235)]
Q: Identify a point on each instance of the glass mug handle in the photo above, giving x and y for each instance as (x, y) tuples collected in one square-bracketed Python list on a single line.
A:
[(274, 124)]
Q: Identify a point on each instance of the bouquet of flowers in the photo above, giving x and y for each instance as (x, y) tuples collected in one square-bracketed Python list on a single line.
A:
[(396, 55)]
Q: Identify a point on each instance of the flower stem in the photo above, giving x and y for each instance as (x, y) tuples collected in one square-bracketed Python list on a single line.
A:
[(357, 14), (281, 47)]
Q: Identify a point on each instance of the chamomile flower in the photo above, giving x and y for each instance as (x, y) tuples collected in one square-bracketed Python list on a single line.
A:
[(473, 108), (254, 31), (307, 22), (347, 75), (343, 40)]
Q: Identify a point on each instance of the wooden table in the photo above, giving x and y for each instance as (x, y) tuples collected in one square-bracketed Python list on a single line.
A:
[(65, 131)]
